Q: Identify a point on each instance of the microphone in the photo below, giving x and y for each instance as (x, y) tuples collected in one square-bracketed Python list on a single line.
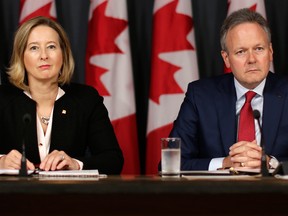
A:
[(263, 170), (23, 170)]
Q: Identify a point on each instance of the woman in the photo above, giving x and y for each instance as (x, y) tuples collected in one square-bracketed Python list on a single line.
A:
[(68, 125)]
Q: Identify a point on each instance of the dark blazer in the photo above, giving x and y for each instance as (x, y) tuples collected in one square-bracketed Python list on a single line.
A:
[(207, 122), (81, 127)]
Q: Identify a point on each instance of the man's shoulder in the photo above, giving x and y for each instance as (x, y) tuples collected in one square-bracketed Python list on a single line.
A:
[(212, 82), (274, 80)]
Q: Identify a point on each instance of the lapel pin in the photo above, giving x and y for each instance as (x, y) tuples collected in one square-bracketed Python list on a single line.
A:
[(63, 111)]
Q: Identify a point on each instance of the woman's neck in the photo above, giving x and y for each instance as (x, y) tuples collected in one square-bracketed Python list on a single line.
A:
[(44, 94)]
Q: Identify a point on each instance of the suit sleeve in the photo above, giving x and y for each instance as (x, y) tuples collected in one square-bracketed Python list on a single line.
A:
[(187, 127)]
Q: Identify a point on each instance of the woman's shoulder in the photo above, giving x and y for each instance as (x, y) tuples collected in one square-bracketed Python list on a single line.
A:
[(80, 90), (8, 90)]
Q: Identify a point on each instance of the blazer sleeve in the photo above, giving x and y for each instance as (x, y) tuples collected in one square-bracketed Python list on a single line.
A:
[(105, 151)]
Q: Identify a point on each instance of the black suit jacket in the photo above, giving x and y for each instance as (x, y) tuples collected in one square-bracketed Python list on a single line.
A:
[(81, 127), (207, 121)]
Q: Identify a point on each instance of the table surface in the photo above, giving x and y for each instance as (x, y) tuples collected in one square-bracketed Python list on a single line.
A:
[(143, 185), (143, 195)]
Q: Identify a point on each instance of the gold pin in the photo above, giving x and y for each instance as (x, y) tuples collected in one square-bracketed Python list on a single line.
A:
[(63, 111)]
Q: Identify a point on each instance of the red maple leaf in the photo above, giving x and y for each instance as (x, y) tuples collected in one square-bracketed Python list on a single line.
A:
[(170, 32), (43, 11), (253, 7), (102, 32)]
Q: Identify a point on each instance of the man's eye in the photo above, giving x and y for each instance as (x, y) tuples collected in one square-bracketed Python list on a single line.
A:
[(259, 48), (240, 52)]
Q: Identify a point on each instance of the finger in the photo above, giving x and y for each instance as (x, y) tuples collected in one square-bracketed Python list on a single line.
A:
[(238, 151), (254, 155), (254, 146), (244, 149), (253, 164), (47, 162), (58, 160), (239, 159), (62, 165), (52, 160), (30, 165), (241, 143), (236, 145)]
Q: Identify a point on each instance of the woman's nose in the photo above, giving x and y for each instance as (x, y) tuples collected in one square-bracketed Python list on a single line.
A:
[(44, 55)]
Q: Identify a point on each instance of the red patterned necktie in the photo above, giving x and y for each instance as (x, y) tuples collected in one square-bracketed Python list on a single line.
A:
[(246, 131)]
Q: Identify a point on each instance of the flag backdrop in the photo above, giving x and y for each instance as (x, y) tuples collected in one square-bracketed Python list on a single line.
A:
[(174, 65), (254, 5), (32, 8), (109, 70), (208, 17)]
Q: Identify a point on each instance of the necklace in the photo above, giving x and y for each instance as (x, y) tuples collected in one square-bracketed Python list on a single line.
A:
[(45, 120)]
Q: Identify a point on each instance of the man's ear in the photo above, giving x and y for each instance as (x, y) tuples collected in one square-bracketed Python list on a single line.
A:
[(224, 55)]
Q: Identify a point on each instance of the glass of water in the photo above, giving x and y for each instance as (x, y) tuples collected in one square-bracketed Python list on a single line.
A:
[(170, 156)]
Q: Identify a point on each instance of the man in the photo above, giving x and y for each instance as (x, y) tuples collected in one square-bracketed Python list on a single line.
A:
[(209, 116)]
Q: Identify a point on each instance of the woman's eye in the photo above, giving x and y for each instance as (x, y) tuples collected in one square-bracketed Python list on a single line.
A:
[(33, 48), (51, 47)]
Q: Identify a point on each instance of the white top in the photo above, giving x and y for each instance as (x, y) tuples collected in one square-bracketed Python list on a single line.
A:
[(44, 139)]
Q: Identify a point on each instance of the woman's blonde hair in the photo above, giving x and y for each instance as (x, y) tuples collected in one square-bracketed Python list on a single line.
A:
[(17, 73)]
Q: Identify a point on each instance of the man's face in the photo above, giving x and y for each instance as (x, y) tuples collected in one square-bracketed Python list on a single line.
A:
[(248, 54)]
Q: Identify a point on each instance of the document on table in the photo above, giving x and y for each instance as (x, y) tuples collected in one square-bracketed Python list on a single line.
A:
[(214, 175), (232, 173), (206, 172), (13, 172), (70, 173)]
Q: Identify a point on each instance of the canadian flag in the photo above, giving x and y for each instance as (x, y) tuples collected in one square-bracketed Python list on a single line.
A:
[(109, 70), (174, 65), (32, 8), (254, 5)]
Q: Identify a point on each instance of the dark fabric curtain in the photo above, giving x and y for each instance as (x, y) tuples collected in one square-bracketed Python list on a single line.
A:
[(208, 17)]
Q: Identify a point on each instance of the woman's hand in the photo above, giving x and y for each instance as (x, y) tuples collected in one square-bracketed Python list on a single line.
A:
[(59, 160), (13, 161)]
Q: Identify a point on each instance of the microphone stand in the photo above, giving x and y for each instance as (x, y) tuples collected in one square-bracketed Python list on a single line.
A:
[(263, 169), (23, 169)]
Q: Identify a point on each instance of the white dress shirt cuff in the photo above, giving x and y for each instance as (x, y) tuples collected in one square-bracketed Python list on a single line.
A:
[(215, 163)]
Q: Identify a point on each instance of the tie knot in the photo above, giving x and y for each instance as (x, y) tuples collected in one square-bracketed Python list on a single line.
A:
[(249, 96)]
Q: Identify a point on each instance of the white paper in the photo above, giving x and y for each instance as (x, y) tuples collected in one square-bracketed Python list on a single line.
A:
[(70, 173), (13, 172)]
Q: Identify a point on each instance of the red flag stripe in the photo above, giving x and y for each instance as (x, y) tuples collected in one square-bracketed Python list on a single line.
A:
[(174, 65), (109, 70)]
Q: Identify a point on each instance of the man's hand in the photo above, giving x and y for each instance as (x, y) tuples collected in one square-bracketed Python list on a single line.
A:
[(244, 154)]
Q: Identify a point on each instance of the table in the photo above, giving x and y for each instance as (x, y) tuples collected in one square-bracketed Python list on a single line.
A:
[(143, 195)]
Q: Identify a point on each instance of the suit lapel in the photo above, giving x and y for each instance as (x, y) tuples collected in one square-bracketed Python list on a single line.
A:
[(226, 110)]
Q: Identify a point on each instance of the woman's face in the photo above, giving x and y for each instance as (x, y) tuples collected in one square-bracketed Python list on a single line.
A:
[(43, 57)]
